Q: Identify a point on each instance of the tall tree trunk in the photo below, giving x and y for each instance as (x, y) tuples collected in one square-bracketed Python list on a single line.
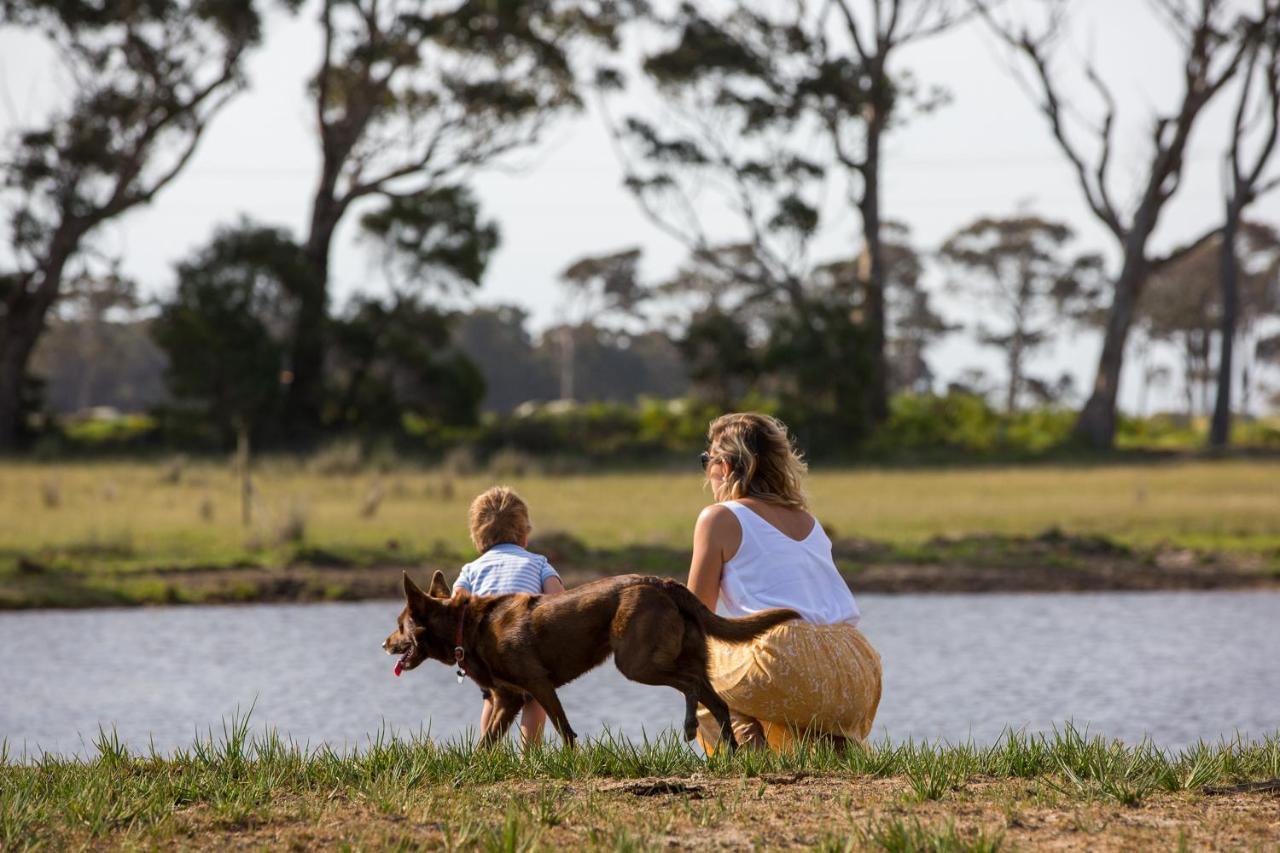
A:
[(1096, 424), (872, 272), (567, 356), (1015, 372), (16, 343), (21, 323), (305, 398), (1228, 272)]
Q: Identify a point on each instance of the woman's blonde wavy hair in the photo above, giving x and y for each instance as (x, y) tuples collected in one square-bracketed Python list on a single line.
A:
[(763, 460)]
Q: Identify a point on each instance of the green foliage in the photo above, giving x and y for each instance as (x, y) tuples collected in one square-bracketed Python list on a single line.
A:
[(394, 361), (962, 423), (823, 359), (434, 236), (123, 430), (601, 431), (226, 329), (718, 356), (1177, 432)]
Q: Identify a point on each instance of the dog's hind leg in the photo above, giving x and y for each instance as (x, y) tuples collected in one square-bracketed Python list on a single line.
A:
[(545, 693)]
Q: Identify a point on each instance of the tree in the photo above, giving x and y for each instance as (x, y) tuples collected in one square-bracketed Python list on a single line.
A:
[(720, 322), (411, 100), (594, 286), (147, 78), (226, 329), (912, 324), (718, 357), (396, 358), (766, 106), (1185, 302), (1214, 39), (1014, 268), (1245, 182)]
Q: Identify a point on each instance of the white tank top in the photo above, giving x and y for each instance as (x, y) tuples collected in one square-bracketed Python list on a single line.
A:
[(771, 569)]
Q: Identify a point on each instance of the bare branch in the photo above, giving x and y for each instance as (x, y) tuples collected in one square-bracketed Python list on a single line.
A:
[(326, 65), (1052, 107), (1237, 123), (1104, 139), (851, 26), (1271, 104)]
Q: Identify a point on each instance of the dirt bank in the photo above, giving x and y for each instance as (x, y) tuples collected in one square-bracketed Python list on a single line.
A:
[(1050, 562)]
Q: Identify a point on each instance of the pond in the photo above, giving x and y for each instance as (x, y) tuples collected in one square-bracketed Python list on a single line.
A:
[(1175, 666)]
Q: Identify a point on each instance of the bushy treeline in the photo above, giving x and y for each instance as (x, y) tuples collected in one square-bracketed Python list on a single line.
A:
[(564, 436), (770, 121)]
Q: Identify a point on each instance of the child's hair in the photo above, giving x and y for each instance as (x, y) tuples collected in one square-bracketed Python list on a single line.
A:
[(497, 516)]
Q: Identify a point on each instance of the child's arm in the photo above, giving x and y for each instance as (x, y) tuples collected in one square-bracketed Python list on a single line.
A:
[(551, 583), (464, 579)]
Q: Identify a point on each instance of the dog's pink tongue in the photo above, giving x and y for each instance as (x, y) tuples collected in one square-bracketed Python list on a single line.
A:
[(399, 668)]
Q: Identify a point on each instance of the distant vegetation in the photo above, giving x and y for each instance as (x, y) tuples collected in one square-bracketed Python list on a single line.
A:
[(773, 120)]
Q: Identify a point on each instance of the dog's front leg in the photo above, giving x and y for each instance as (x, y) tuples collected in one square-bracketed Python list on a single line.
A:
[(545, 693), (690, 715), (506, 705)]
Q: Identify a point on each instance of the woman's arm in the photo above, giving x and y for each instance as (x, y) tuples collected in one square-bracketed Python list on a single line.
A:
[(716, 538)]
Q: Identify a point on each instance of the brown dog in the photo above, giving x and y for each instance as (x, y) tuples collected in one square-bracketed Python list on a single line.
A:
[(655, 628)]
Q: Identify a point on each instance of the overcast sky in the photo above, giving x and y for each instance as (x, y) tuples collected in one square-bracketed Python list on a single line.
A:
[(988, 152)]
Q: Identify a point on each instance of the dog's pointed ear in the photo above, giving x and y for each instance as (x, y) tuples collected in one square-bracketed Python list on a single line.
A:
[(414, 597), (440, 587)]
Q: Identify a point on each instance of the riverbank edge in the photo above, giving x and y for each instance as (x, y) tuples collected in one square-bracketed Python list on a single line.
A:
[(1052, 561), (1065, 789)]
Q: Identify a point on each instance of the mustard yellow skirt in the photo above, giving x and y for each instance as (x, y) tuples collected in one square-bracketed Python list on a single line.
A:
[(795, 680)]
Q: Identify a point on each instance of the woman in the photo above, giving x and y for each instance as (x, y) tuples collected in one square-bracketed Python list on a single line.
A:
[(756, 548)]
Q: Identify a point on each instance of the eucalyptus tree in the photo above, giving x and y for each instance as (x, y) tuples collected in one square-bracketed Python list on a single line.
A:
[(225, 330), (1214, 38), (593, 286), (145, 80), (1016, 270), (410, 99), (1185, 302), (762, 105), (1246, 180)]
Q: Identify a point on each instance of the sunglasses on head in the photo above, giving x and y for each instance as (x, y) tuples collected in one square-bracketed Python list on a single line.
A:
[(705, 459)]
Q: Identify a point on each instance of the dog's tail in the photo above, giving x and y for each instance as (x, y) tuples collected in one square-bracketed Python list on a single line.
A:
[(738, 630)]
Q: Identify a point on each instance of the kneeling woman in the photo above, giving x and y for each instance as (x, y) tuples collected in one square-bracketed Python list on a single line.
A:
[(757, 548)]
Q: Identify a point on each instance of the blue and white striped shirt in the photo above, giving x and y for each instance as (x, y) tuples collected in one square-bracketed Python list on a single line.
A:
[(505, 568)]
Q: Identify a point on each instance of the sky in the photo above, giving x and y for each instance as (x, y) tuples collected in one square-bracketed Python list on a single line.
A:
[(988, 152)]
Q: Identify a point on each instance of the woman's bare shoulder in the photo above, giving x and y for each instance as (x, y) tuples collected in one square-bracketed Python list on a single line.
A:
[(716, 518)]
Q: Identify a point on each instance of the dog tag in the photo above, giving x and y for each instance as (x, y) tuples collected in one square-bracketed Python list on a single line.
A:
[(460, 675)]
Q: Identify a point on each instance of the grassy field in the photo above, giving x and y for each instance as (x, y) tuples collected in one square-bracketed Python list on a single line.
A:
[(1066, 790), (106, 521)]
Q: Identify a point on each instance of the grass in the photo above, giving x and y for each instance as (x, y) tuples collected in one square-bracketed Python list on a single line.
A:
[(234, 786), (100, 531)]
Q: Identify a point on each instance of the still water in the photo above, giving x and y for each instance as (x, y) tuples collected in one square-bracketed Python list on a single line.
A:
[(1175, 666)]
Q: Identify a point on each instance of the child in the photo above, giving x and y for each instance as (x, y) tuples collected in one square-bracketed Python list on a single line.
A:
[(500, 531)]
